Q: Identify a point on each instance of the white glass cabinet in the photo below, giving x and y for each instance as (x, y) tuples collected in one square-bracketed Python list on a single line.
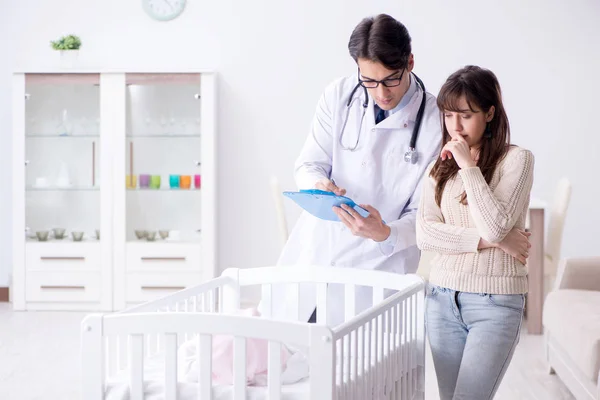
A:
[(114, 187)]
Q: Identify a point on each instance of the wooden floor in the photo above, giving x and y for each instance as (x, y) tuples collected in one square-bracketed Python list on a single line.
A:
[(39, 359)]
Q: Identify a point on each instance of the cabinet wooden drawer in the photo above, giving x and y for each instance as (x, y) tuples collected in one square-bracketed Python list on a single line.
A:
[(63, 256), (154, 257), (141, 287), (60, 287)]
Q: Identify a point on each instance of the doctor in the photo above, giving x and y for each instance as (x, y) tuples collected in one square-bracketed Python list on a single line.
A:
[(366, 143)]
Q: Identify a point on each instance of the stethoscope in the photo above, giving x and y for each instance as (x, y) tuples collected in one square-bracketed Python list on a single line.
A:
[(411, 155)]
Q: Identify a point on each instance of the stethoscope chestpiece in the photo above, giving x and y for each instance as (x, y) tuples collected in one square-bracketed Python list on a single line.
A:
[(411, 156)]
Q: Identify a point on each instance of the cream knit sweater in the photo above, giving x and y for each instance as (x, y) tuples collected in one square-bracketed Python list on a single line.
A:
[(453, 230)]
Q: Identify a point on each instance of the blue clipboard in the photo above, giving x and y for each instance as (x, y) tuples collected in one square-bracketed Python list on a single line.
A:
[(320, 203)]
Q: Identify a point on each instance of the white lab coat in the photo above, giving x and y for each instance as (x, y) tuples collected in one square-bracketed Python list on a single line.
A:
[(376, 174)]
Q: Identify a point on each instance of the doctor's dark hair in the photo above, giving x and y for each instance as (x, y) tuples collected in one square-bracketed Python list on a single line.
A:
[(381, 39), (482, 91)]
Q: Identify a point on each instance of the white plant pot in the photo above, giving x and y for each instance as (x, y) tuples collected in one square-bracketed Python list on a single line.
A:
[(68, 58)]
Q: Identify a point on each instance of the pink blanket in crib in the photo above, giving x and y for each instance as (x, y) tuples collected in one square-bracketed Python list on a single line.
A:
[(257, 357)]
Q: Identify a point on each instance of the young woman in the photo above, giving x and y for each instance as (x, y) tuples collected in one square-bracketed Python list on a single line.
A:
[(472, 215)]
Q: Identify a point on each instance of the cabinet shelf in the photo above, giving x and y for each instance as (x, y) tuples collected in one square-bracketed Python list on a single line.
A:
[(63, 189), (163, 136), (66, 240), (167, 242), (78, 136), (163, 190)]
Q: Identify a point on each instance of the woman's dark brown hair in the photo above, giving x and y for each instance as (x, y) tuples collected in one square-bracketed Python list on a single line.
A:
[(481, 90)]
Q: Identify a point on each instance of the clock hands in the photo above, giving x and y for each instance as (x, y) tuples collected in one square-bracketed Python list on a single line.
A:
[(169, 4)]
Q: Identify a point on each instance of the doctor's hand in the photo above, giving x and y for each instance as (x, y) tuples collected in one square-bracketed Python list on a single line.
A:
[(328, 186), (459, 150), (371, 227)]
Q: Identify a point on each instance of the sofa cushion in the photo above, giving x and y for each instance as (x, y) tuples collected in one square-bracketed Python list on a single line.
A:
[(572, 318)]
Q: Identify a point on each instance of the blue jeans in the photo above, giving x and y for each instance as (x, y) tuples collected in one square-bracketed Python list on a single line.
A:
[(473, 337)]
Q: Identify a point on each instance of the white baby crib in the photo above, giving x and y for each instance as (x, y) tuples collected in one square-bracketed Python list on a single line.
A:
[(377, 354)]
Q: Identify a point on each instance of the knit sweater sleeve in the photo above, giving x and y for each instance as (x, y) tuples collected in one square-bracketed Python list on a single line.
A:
[(496, 211), (433, 234)]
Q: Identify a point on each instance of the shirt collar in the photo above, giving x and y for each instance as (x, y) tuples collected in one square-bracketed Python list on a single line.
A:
[(412, 89)]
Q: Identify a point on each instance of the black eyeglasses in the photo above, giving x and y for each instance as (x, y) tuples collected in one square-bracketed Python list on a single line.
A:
[(389, 82)]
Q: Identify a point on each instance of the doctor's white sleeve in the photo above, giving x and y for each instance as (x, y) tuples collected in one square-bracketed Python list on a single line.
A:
[(401, 231), (314, 162)]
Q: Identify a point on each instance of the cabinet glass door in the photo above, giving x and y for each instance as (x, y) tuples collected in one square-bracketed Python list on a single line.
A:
[(62, 153), (163, 167)]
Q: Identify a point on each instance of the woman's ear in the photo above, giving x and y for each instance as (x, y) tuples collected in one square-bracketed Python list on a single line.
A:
[(490, 114)]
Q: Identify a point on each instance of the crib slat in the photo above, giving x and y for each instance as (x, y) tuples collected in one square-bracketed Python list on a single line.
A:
[(421, 340), (390, 337), (369, 370), (410, 342), (406, 345), (220, 306), (136, 365), (350, 301), (187, 307), (239, 368), (377, 295), (267, 295), (212, 296), (147, 346), (121, 353), (400, 326), (414, 347), (204, 359), (364, 367), (348, 365), (209, 301), (354, 386), (171, 366), (378, 355), (293, 300), (321, 303), (340, 344), (112, 355), (200, 302), (274, 376), (395, 350)]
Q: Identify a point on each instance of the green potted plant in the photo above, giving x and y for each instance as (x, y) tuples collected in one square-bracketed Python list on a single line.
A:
[(69, 49)]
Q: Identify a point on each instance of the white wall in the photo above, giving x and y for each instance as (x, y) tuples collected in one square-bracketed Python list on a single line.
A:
[(275, 57)]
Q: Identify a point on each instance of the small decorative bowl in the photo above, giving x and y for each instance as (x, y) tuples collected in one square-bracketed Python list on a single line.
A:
[(163, 234), (42, 235), (150, 236), (140, 234), (59, 233), (77, 236)]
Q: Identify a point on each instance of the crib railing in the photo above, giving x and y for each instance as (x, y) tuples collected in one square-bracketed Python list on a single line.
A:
[(122, 341), (391, 362), (205, 298), (172, 326)]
